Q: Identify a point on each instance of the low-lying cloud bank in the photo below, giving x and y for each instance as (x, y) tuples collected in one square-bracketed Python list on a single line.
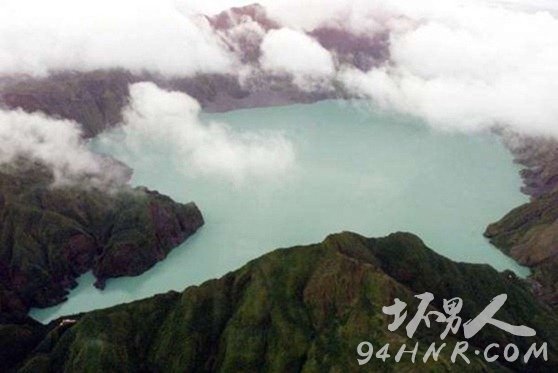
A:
[(58, 145), (171, 121), (471, 67), (154, 117), (293, 52), (459, 65), (37, 37)]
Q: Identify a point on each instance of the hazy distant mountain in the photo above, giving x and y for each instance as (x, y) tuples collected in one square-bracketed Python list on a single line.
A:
[(95, 99)]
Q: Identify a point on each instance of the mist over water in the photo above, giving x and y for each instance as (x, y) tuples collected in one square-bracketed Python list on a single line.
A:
[(355, 169)]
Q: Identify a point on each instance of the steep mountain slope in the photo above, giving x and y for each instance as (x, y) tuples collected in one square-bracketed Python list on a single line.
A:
[(94, 99), (298, 309), (49, 236), (529, 233)]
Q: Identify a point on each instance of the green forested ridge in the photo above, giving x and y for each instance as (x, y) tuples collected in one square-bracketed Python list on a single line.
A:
[(51, 235), (299, 309)]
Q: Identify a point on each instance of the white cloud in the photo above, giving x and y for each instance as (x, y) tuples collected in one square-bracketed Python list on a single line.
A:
[(40, 36), (213, 6), (58, 145), (172, 120), (458, 64), (293, 52), (470, 67), (356, 15)]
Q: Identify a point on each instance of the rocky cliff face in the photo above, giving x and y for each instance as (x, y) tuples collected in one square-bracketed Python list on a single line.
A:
[(93, 99), (299, 309), (49, 236), (529, 233), (362, 51), (96, 99)]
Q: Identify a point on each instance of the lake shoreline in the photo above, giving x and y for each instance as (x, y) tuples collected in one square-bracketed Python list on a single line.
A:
[(305, 127)]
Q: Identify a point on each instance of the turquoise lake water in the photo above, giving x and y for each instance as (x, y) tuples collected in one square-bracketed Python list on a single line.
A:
[(356, 169)]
